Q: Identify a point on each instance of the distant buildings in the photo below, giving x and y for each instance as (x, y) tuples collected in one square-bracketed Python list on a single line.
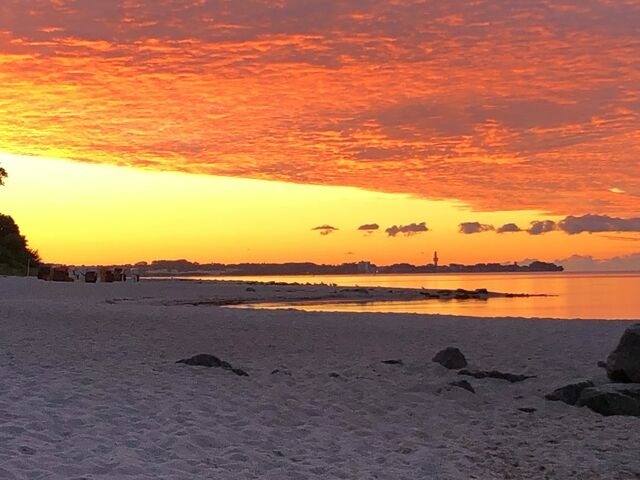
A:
[(365, 267)]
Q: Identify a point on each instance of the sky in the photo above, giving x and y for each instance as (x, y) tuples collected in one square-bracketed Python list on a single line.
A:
[(287, 130)]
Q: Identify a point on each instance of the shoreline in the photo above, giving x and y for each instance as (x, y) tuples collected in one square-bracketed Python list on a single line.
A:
[(311, 293), (246, 292)]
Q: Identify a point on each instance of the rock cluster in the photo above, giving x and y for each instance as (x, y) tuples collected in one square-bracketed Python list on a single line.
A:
[(612, 399), (453, 359), (459, 294), (569, 394), (619, 398)]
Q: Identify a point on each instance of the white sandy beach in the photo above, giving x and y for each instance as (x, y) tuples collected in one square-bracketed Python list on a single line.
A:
[(89, 388)]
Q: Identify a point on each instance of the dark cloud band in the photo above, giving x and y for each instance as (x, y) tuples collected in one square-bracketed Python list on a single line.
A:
[(571, 225), (598, 223)]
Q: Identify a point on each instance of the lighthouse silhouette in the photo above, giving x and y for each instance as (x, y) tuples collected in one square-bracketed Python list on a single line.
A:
[(435, 259)]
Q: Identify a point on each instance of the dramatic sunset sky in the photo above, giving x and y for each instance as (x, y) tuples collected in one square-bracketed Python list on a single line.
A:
[(328, 131)]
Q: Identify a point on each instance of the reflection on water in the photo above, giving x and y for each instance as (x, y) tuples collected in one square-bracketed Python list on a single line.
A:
[(574, 295)]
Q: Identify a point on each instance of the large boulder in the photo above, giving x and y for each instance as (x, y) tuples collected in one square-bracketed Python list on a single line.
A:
[(569, 393), (451, 358), (612, 399), (623, 364)]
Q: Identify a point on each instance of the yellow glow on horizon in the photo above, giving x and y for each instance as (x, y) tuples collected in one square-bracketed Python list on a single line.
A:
[(80, 213)]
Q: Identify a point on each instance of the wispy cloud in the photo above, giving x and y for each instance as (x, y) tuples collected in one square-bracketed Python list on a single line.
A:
[(469, 228), (629, 262), (408, 230), (508, 228), (369, 227), (540, 227), (325, 229)]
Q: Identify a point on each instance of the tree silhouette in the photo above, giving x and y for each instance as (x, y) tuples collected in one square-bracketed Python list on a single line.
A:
[(15, 254), (14, 251)]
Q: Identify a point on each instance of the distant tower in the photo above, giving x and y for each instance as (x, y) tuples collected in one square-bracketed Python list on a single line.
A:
[(435, 259)]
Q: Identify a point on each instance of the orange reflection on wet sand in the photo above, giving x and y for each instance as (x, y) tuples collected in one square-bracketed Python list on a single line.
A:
[(607, 296)]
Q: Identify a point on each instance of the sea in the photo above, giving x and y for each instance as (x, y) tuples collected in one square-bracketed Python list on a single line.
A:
[(568, 295)]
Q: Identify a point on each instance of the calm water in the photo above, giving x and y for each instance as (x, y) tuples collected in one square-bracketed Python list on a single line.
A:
[(575, 295)]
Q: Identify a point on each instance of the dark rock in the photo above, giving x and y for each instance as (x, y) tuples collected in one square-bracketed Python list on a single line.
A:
[(568, 394), (623, 364), (602, 364), (527, 409), (334, 375), (450, 358), (250, 289), (509, 377), (281, 371), (27, 450), (463, 384), (206, 360), (612, 399), (393, 362)]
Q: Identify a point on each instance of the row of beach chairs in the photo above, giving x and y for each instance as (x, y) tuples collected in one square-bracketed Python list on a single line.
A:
[(103, 275)]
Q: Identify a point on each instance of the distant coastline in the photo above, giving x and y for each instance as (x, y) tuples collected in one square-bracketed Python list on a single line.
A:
[(174, 268)]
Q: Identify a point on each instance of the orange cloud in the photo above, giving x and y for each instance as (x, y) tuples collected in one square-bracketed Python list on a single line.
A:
[(442, 100)]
